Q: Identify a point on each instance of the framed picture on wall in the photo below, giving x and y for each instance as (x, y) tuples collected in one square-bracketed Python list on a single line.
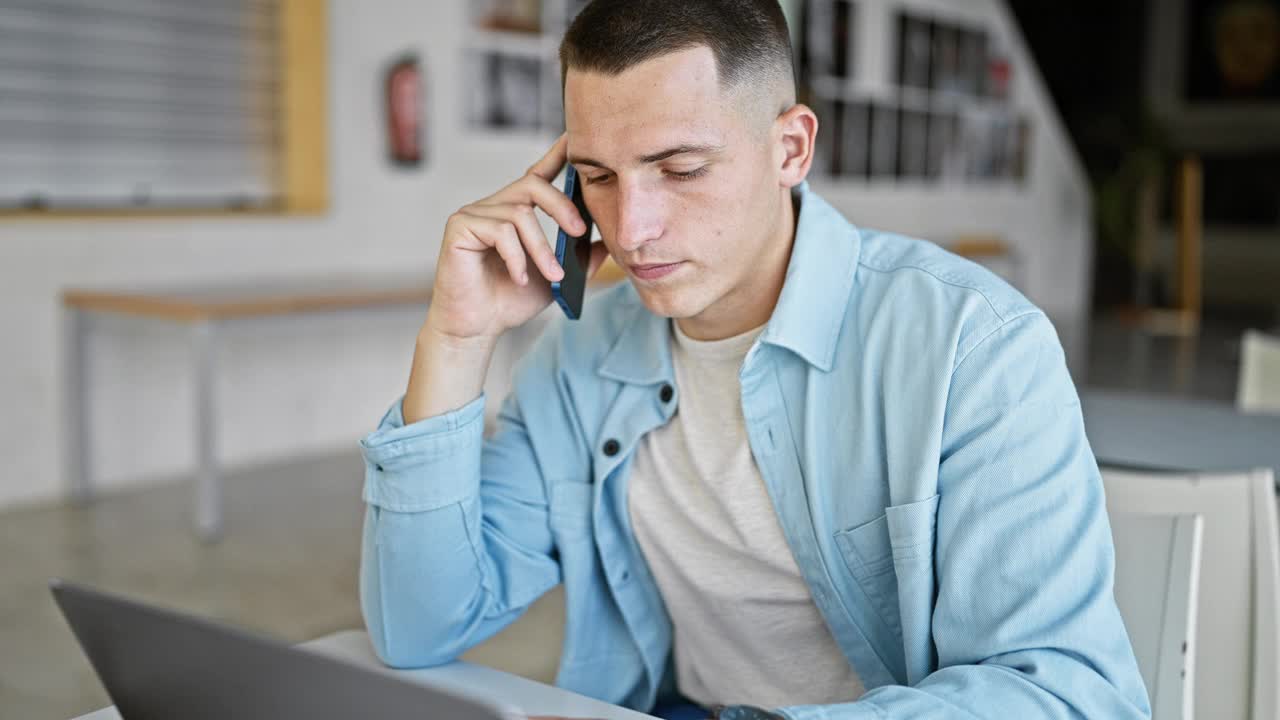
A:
[(504, 90), (1213, 73), (1232, 51)]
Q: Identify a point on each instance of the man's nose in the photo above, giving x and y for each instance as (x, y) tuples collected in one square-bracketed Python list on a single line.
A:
[(639, 216)]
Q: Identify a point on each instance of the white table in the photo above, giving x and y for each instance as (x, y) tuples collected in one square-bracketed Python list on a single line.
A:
[(203, 313), (534, 698), (1159, 432)]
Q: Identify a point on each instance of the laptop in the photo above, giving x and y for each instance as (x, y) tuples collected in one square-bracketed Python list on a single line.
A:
[(157, 663)]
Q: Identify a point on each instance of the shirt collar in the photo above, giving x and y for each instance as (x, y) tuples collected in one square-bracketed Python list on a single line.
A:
[(806, 320)]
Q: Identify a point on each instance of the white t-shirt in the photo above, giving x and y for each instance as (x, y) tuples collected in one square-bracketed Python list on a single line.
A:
[(746, 628)]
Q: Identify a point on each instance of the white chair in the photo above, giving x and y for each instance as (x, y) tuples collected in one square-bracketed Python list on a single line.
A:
[(1259, 386), (1157, 579), (1237, 637)]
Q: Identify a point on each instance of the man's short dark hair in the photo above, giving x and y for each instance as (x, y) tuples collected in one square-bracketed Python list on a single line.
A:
[(749, 38)]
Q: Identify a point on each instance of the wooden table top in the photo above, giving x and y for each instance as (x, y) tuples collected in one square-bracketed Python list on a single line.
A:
[(192, 304), (254, 298)]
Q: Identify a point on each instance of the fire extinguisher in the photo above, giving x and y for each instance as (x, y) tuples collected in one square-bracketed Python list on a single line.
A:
[(404, 111)]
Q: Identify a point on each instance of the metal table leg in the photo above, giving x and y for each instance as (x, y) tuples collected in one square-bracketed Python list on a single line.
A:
[(76, 406), (208, 487)]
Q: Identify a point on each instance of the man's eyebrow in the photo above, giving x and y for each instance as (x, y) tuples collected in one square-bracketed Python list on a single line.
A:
[(681, 150), (658, 156), (586, 161)]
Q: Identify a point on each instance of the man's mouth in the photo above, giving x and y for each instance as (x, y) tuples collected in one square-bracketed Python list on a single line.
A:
[(654, 271)]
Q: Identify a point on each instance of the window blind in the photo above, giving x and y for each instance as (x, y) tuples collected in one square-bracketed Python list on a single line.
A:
[(109, 104)]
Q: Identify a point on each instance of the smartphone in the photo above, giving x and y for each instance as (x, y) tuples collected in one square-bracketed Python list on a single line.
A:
[(573, 253)]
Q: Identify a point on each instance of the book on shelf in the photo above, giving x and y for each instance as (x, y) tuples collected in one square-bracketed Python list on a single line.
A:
[(828, 39), (914, 48), (884, 141), (913, 136)]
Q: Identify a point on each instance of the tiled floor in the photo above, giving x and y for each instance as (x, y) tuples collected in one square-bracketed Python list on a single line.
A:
[(288, 563)]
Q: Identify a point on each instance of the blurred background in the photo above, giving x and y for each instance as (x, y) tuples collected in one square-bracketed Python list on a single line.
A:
[(219, 220)]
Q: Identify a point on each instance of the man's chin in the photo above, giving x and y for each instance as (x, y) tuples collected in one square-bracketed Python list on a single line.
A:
[(667, 302)]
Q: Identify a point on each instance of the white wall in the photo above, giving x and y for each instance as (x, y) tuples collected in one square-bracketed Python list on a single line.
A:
[(286, 386), (294, 386)]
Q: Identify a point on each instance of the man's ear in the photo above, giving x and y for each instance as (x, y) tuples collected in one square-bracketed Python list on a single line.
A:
[(795, 132)]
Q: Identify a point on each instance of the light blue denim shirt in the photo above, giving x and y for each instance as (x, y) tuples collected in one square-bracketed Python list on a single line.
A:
[(914, 422)]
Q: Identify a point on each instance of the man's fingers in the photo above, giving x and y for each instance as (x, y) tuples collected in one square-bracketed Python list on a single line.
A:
[(500, 235), (534, 191), (549, 165), (536, 188), (507, 221), (512, 252), (534, 240)]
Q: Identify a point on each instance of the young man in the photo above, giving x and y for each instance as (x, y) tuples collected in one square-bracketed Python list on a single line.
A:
[(791, 467)]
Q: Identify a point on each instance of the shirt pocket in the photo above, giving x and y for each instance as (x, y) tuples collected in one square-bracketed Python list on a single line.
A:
[(868, 555), (913, 531), (892, 555)]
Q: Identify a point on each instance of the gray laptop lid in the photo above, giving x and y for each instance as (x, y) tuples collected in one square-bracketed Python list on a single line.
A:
[(156, 663)]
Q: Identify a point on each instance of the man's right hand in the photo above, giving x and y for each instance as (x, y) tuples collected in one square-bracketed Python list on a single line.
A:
[(494, 273), (485, 283)]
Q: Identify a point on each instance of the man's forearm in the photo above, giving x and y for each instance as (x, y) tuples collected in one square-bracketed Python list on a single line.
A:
[(426, 599), (447, 374)]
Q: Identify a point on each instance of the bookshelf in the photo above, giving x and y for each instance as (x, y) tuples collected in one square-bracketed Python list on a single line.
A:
[(940, 110), (511, 65)]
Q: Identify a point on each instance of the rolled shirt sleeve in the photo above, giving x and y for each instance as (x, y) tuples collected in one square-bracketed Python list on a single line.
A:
[(444, 448)]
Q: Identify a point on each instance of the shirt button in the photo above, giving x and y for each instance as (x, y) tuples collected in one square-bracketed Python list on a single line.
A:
[(611, 447), (378, 468), (666, 393)]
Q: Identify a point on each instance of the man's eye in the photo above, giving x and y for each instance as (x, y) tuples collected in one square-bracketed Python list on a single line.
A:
[(687, 175), (597, 179)]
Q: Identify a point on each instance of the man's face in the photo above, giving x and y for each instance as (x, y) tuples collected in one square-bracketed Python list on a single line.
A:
[(689, 226)]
